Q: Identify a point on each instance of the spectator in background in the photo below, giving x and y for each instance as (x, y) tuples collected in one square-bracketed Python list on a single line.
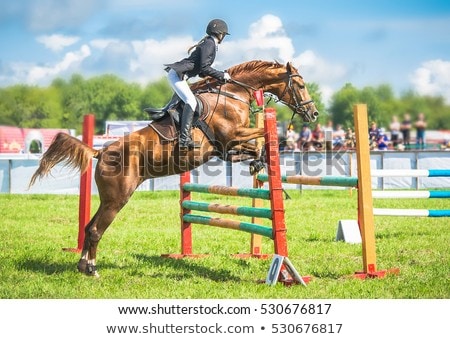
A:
[(304, 141), (328, 135), (382, 141), (374, 133), (291, 145), (405, 127), (291, 133), (318, 136), (350, 138), (339, 136), (420, 126), (394, 128)]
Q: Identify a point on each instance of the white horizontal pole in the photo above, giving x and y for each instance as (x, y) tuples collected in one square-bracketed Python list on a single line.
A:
[(401, 194), (401, 212), (399, 173)]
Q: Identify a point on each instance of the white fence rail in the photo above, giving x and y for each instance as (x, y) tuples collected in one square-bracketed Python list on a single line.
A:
[(16, 171)]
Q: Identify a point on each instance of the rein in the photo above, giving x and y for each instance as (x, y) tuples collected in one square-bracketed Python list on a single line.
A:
[(243, 85), (220, 92), (299, 103)]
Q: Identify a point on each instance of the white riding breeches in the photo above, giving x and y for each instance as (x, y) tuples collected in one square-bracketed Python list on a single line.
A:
[(181, 88)]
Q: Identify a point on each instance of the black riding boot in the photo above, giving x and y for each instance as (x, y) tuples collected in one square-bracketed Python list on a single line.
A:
[(185, 129)]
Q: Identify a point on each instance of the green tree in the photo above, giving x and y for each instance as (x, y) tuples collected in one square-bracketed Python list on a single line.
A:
[(74, 101), (342, 102), (382, 105), (64, 103), (30, 106), (437, 113), (156, 94)]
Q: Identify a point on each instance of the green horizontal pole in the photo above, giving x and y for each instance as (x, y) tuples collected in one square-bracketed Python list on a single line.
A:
[(225, 190), (339, 181), (228, 209), (230, 224), (315, 181)]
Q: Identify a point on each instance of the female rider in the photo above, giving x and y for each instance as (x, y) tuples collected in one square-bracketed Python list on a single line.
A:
[(198, 63)]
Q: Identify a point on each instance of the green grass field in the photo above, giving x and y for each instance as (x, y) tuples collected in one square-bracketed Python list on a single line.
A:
[(35, 228)]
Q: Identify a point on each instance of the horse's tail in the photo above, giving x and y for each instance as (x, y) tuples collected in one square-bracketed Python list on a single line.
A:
[(68, 149)]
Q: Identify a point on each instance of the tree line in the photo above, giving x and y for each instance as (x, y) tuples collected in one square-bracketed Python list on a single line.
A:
[(63, 103)]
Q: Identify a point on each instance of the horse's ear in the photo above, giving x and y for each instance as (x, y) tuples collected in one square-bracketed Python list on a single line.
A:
[(289, 66)]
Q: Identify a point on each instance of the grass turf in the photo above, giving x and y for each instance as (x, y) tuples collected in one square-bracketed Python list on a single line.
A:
[(35, 228)]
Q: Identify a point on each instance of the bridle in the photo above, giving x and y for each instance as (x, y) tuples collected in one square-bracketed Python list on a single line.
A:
[(299, 105)]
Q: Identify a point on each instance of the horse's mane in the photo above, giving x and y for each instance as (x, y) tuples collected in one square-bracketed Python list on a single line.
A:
[(246, 69), (254, 66)]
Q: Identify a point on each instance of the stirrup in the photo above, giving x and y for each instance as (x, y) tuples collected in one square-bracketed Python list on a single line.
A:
[(155, 114), (159, 113), (188, 145)]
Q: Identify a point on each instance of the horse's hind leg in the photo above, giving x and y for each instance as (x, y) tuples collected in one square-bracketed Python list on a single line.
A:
[(93, 233), (85, 265)]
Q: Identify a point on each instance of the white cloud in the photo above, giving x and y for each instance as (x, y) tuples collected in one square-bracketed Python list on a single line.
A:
[(151, 55), (70, 61), (321, 67), (57, 42), (433, 78), (318, 70), (268, 25), (267, 40), (143, 61)]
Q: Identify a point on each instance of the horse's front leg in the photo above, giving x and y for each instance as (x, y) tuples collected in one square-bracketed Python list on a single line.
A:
[(244, 134), (247, 148)]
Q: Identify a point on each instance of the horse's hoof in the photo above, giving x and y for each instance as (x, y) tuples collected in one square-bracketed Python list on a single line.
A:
[(82, 265), (91, 270), (255, 166), (88, 269)]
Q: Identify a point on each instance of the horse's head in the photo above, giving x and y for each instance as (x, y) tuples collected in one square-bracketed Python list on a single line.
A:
[(282, 81), (294, 94)]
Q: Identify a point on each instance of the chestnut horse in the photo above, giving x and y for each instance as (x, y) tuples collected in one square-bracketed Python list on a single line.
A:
[(123, 165)]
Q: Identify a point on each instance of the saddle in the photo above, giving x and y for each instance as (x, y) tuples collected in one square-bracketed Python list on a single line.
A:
[(166, 120)]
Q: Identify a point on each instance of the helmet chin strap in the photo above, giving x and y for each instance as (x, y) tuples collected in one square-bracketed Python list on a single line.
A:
[(219, 37)]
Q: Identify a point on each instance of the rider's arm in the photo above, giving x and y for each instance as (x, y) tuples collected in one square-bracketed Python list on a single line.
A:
[(207, 54)]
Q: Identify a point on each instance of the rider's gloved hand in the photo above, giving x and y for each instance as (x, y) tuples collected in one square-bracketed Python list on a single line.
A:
[(226, 77)]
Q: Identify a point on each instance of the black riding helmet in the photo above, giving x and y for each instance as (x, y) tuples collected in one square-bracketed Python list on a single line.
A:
[(218, 28)]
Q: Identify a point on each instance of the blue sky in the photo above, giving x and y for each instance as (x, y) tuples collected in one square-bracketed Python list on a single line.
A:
[(366, 43)]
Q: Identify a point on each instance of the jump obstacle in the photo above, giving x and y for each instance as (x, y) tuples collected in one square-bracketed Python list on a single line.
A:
[(365, 201), (365, 194), (277, 231)]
